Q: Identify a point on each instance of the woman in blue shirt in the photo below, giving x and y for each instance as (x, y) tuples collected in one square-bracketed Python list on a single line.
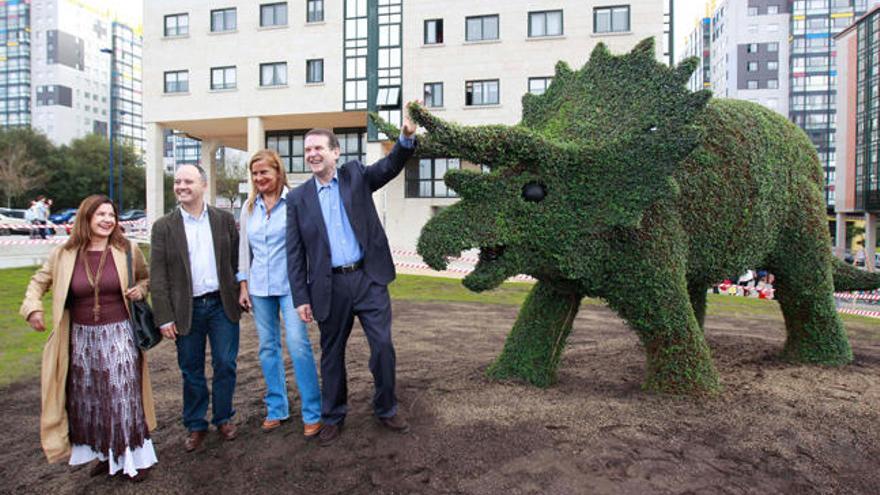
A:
[(265, 288)]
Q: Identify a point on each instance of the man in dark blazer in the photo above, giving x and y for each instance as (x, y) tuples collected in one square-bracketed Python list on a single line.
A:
[(340, 265), (194, 257)]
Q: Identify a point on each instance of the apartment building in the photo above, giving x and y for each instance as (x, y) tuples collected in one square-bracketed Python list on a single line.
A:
[(250, 75)]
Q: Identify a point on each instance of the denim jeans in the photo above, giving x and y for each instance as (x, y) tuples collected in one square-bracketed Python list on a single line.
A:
[(210, 322), (266, 312)]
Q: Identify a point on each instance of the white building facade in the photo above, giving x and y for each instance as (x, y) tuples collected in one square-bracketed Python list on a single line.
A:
[(253, 75), (744, 50)]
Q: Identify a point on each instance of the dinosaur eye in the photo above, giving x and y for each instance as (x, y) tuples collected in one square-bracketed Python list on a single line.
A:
[(534, 192), (651, 128)]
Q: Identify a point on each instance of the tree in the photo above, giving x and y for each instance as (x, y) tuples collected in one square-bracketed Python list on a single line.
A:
[(19, 172), (229, 176), (27, 149)]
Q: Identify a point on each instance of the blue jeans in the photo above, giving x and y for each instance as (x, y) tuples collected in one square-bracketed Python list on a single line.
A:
[(266, 310), (210, 322)]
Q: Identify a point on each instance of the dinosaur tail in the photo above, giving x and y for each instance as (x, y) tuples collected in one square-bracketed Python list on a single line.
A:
[(849, 278)]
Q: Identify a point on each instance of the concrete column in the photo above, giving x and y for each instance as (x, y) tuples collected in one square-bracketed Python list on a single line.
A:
[(376, 152), (870, 240), (256, 135), (154, 159), (840, 236), (209, 163)]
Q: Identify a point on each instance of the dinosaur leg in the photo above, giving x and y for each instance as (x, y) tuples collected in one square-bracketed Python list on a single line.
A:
[(660, 311), (534, 346), (697, 293), (804, 289)]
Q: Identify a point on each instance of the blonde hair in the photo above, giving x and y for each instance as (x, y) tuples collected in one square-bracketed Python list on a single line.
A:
[(271, 157)]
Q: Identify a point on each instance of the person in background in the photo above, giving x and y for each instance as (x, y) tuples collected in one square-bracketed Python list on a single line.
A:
[(262, 275), (96, 395)]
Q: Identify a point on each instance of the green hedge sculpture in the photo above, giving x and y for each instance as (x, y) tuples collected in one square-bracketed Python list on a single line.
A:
[(621, 184)]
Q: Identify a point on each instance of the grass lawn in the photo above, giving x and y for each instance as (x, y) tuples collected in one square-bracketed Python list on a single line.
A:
[(20, 347)]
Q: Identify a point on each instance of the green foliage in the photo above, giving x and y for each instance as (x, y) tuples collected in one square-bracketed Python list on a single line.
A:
[(651, 195), (20, 347), (72, 172)]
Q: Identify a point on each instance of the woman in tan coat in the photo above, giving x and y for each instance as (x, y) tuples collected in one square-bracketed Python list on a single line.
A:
[(96, 398)]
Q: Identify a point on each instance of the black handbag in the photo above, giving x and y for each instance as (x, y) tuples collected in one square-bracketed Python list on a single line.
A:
[(146, 333)]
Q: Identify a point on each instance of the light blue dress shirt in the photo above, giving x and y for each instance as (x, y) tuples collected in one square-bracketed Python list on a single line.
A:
[(344, 246), (200, 248), (266, 232)]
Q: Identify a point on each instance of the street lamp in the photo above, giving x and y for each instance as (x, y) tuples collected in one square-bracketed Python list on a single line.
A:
[(112, 54)]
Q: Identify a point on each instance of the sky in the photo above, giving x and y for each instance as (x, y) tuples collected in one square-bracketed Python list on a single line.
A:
[(686, 13)]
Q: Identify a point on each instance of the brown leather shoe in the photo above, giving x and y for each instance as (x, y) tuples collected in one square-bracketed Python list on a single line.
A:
[(329, 434), (227, 431), (99, 468), (311, 430), (195, 440), (395, 423), (270, 425), (140, 476)]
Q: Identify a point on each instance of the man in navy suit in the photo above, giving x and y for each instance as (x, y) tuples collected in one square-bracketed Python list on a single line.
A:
[(339, 266)]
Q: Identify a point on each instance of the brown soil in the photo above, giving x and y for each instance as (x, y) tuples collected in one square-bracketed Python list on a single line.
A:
[(777, 428)]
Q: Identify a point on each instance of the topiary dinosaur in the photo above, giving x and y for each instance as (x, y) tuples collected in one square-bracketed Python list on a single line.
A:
[(621, 184)]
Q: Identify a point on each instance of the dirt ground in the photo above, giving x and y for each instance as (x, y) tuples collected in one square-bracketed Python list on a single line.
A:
[(776, 428)]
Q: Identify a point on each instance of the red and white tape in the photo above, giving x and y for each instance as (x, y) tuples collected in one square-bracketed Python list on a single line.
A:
[(860, 312), (857, 296)]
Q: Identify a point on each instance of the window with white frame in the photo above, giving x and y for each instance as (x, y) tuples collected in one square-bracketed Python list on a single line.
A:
[(773, 47), (546, 23), (177, 25), (611, 19), (433, 94), (772, 65), (480, 28), (273, 14), (315, 70), (223, 77), (752, 48), (273, 74), (315, 11), (752, 11), (177, 81), (538, 85), (773, 84), (752, 84), (223, 20), (752, 66), (483, 92), (772, 9)]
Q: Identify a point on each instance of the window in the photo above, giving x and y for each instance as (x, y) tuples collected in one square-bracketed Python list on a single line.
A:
[(177, 25), (773, 84), (753, 11), (611, 19), (177, 81), (388, 96), (315, 70), (538, 85), (433, 94), (433, 31), (273, 14), (351, 146), (772, 9), (290, 149), (752, 84), (274, 74), (223, 77), (481, 93), (484, 27), (772, 65), (315, 11), (752, 48), (752, 66), (773, 47), (223, 20), (424, 179), (545, 23)]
